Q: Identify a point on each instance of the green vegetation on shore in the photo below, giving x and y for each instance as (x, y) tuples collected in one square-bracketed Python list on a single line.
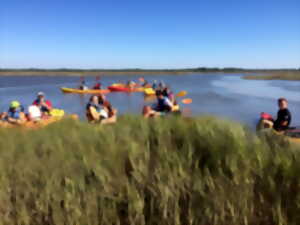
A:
[(276, 75), (95, 72), (147, 172)]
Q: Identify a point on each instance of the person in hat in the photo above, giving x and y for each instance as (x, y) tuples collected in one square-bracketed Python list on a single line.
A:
[(44, 105), (15, 113)]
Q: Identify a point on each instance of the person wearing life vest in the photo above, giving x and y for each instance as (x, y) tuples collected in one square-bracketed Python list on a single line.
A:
[(100, 110), (284, 117), (97, 86), (93, 109), (15, 113), (82, 86), (107, 107), (163, 103), (44, 105)]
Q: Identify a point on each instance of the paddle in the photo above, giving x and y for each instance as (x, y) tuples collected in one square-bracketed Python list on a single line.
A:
[(181, 94), (187, 101)]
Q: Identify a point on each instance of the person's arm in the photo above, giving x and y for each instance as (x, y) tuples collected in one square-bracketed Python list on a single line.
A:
[(168, 102), (287, 119), (94, 114), (47, 105)]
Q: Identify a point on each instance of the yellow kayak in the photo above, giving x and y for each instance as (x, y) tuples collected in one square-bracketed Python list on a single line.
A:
[(149, 91), (89, 91)]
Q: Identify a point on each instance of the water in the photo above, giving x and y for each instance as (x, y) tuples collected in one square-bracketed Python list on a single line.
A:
[(227, 96)]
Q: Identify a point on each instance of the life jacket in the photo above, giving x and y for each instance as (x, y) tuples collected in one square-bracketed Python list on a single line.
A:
[(88, 113), (162, 106), (97, 86), (15, 114), (43, 109)]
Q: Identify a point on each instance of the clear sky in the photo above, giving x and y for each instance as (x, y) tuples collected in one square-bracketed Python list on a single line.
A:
[(149, 33)]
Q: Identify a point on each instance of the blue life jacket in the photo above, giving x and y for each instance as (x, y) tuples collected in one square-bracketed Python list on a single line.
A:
[(96, 106), (15, 114)]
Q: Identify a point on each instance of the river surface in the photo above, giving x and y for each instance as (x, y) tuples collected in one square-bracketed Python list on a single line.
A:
[(227, 96)]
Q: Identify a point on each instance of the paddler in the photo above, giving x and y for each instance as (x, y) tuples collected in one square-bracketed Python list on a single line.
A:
[(284, 116), (83, 86), (15, 113), (99, 110), (163, 103), (44, 105), (97, 86)]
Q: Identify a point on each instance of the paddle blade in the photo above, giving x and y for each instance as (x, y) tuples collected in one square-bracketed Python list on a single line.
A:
[(181, 94), (187, 101)]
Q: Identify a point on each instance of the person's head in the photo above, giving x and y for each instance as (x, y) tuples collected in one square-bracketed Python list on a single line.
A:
[(159, 94), (94, 99), (14, 105), (282, 103), (40, 95), (101, 98)]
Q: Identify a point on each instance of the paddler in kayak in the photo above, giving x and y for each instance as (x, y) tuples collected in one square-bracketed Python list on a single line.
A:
[(44, 105), (98, 110), (284, 117), (82, 86), (98, 84), (15, 113)]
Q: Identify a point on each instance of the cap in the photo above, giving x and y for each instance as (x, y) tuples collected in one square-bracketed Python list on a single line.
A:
[(40, 94), (14, 104)]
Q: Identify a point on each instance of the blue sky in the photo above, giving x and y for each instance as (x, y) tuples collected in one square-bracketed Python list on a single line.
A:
[(149, 34)]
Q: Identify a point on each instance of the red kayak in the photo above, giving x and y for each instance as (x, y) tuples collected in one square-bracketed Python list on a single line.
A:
[(124, 89)]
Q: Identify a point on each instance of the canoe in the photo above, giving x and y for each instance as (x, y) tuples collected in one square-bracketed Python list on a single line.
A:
[(124, 89), (37, 124), (89, 91), (149, 91)]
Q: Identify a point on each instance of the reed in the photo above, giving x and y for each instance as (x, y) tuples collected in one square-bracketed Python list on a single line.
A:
[(169, 171)]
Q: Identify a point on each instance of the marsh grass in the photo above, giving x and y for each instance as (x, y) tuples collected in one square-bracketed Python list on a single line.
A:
[(165, 171), (280, 75)]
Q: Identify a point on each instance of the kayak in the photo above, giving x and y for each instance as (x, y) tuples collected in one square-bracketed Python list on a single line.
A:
[(124, 89), (292, 135), (89, 91), (149, 91), (37, 124)]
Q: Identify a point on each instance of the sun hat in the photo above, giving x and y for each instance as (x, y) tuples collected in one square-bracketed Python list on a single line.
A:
[(40, 93)]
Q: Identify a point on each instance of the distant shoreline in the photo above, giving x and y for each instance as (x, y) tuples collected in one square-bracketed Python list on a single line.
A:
[(250, 74)]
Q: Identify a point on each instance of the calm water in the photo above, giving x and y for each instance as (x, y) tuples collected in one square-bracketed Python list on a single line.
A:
[(227, 96)]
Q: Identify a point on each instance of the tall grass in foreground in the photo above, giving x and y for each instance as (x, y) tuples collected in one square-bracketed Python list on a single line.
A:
[(165, 171)]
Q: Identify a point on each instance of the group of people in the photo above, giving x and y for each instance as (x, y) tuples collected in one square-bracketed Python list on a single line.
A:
[(83, 86), (39, 109)]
